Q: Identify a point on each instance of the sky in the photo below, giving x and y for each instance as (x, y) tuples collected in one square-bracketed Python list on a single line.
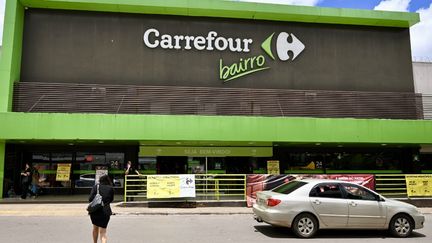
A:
[(421, 33)]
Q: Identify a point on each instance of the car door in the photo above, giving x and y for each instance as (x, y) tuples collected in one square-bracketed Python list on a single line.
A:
[(364, 208), (330, 206)]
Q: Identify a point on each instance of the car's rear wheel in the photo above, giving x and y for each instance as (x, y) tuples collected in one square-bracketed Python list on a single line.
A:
[(305, 225), (401, 225)]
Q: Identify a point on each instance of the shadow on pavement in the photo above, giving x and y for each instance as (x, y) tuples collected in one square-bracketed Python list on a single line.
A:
[(281, 232), (274, 232)]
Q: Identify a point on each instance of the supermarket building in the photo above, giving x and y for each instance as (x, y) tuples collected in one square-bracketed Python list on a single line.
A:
[(212, 87)]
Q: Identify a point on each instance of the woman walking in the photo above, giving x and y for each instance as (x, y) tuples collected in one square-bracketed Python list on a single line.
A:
[(100, 218)]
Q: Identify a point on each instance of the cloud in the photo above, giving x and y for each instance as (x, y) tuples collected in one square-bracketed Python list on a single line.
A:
[(393, 5), (421, 35), (287, 2)]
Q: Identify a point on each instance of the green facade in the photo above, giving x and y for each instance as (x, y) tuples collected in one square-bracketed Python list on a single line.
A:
[(10, 62), (236, 131), (148, 128)]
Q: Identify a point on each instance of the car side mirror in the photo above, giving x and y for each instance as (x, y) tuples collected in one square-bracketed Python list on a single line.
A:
[(380, 199)]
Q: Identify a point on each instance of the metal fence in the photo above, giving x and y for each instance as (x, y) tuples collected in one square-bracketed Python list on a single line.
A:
[(232, 187), (391, 185), (208, 187), (221, 187), (135, 187)]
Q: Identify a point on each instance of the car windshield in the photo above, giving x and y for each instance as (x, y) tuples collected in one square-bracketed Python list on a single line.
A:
[(289, 187)]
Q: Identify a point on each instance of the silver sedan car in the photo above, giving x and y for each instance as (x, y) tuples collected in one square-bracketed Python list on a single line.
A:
[(311, 204)]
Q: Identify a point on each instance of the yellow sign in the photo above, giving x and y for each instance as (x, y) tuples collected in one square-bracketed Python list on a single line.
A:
[(63, 172), (419, 185), (273, 167), (163, 186)]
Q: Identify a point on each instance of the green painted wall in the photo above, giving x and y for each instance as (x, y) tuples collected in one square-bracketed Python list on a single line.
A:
[(234, 9), (58, 126), (10, 62)]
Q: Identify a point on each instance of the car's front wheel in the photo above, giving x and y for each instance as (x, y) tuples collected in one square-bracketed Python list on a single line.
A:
[(305, 225), (401, 225)]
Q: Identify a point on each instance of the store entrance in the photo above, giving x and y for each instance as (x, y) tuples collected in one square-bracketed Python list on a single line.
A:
[(171, 164), (239, 165), (203, 165), (80, 163)]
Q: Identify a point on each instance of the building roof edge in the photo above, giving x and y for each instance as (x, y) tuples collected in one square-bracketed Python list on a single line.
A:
[(235, 9)]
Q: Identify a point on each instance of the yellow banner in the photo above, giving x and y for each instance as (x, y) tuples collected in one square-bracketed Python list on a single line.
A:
[(63, 172), (273, 167), (419, 185), (163, 186)]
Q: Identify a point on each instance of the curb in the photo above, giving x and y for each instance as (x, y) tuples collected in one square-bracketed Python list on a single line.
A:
[(167, 214), (181, 204)]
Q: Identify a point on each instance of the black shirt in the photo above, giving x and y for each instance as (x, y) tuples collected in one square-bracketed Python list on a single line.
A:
[(107, 193), (27, 178), (132, 171)]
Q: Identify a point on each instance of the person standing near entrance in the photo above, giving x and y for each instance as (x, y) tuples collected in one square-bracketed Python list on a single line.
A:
[(35, 181), (130, 170), (101, 217), (26, 179)]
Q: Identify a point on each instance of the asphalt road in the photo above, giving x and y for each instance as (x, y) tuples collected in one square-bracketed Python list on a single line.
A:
[(178, 229)]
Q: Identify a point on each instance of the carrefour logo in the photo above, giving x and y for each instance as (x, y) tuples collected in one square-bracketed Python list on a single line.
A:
[(153, 39), (285, 49), (254, 64)]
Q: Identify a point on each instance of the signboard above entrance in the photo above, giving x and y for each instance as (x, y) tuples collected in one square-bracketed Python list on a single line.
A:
[(212, 42), (140, 49), (151, 151)]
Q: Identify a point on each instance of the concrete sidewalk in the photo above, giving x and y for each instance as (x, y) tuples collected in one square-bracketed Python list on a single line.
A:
[(74, 209)]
